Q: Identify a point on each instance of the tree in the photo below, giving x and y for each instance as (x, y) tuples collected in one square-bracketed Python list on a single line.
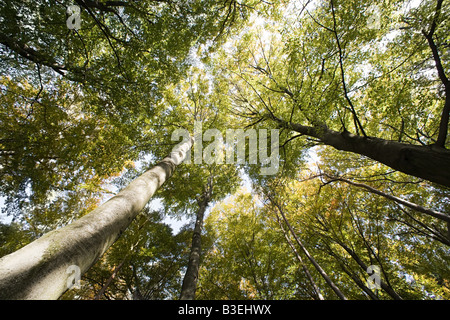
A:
[(144, 264), (248, 257), (313, 261), (191, 276), (323, 78), (194, 106), (101, 66), (81, 95), (356, 91), (38, 270), (348, 230)]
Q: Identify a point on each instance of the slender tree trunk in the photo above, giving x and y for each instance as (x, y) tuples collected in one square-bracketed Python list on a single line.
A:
[(351, 274), (116, 270), (360, 284), (317, 295), (313, 261), (190, 278), (383, 284), (436, 214), (40, 269), (427, 162)]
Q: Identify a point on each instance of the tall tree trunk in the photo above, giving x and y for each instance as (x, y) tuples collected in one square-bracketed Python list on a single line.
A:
[(308, 255), (386, 287), (190, 278), (316, 295), (40, 269), (427, 162)]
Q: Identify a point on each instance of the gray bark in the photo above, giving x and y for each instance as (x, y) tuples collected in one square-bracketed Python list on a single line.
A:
[(427, 162), (308, 255), (436, 214), (190, 278), (40, 269), (317, 295)]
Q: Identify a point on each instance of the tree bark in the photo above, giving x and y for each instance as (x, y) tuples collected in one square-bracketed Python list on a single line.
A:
[(190, 278), (317, 295), (427, 162), (308, 255), (383, 284), (40, 269), (116, 270), (435, 214)]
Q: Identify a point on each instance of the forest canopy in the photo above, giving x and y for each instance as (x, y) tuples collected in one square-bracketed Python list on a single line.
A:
[(347, 103)]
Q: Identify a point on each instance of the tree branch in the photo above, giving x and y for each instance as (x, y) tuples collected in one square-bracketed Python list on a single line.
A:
[(341, 63), (306, 252), (436, 214), (443, 125), (31, 54)]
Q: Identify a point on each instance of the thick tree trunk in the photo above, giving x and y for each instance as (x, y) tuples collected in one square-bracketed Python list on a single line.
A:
[(40, 269), (190, 278), (427, 162)]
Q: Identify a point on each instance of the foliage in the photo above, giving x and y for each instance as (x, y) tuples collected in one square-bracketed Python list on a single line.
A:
[(83, 112), (249, 258)]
